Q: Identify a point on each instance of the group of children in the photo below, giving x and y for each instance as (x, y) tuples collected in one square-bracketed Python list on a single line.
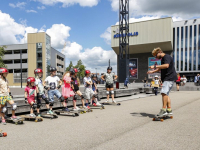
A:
[(35, 90)]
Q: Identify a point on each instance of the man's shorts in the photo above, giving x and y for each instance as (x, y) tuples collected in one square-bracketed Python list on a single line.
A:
[(4, 99), (166, 87), (89, 93), (109, 85)]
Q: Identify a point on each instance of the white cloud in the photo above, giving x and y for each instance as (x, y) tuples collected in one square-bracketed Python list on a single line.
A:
[(59, 34), (66, 3), (186, 9), (107, 35), (31, 11), (19, 5), (41, 7)]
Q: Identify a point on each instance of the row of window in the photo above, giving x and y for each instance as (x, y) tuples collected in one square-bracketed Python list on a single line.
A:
[(192, 36), (17, 72), (60, 58), (15, 51), (59, 65), (16, 61)]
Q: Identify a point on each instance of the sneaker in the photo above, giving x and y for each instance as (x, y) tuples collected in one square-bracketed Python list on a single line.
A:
[(98, 104), (65, 109), (38, 115), (107, 101), (85, 107), (50, 112), (114, 101), (162, 113), (94, 104), (88, 107), (32, 115), (3, 122), (77, 108), (13, 117), (169, 112)]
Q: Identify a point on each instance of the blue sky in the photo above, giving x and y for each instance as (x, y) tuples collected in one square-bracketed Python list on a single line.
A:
[(82, 24)]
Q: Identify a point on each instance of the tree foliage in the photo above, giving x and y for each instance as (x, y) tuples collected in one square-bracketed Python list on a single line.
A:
[(70, 66), (2, 51)]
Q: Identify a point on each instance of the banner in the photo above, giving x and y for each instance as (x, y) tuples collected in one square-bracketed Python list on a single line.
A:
[(133, 68), (151, 62)]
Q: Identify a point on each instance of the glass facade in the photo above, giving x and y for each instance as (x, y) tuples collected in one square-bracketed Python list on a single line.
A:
[(48, 54), (199, 50), (186, 46), (177, 64), (39, 55), (181, 49)]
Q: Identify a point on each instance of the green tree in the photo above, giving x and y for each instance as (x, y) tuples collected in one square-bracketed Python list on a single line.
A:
[(2, 51), (70, 65), (81, 69)]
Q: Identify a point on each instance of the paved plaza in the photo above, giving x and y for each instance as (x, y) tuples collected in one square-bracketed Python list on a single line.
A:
[(127, 127)]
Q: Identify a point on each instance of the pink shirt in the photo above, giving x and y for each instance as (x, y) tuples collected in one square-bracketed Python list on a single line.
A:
[(30, 92)]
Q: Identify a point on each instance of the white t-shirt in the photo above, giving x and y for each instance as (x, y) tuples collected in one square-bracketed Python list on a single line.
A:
[(87, 79), (52, 82), (184, 80), (156, 82), (38, 82)]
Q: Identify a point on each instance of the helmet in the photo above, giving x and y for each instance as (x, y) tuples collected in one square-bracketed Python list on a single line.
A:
[(109, 68), (30, 79), (76, 70), (87, 72), (72, 71), (52, 69), (3, 70), (156, 76), (38, 71)]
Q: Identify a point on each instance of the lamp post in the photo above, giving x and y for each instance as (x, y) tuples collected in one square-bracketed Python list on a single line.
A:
[(21, 65)]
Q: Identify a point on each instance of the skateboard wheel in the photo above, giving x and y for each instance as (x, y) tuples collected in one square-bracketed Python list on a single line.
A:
[(161, 120), (4, 134), (84, 111), (16, 123), (36, 120), (154, 119), (171, 117)]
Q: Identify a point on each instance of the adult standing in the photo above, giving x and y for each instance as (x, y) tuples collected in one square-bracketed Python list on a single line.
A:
[(178, 81), (168, 76)]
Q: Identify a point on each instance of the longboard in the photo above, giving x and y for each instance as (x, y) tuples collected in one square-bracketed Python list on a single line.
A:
[(72, 113), (98, 106), (162, 118), (2, 134), (16, 121), (28, 118), (50, 116), (111, 103), (86, 109)]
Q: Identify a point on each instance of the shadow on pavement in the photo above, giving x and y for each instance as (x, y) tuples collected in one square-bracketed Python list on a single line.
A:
[(143, 115)]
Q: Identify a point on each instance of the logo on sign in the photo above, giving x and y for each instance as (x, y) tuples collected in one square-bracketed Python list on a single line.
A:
[(130, 34)]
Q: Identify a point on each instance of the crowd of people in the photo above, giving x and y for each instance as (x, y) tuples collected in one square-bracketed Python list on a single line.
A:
[(34, 92)]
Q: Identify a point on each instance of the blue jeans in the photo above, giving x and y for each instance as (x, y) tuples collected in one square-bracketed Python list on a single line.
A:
[(51, 94)]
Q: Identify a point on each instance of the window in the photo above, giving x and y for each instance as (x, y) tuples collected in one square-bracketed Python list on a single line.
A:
[(8, 52), (24, 51), (177, 50), (190, 50), (16, 51), (10, 70), (195, 41), (7, 61), (181, 48), (173, 43), (39, 65), (17, 75), (186, 45), (17, 61), (199, 50), (39, 56)]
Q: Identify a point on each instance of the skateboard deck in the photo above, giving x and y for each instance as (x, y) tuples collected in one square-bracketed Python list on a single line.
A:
[(98, 106), (50, 116), (85, 110), (2, 134), (28, 118), (111, 103), (162, 118), (18, 120), (71, 113)]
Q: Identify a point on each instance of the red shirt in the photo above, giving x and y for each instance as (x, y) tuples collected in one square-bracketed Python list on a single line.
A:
[(179, 79), (30, 92)]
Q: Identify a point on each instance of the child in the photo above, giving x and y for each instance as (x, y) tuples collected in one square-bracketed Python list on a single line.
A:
[(40, 90), (94, 88), (156, 84), (88, 88), (52, 82), (184, 79), (126, 83), (109, 77), (30, 95), (66, 88), (75, 86), (5, 96)]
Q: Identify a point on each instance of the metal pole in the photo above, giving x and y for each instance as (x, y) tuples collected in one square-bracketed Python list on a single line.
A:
[(21, 65)]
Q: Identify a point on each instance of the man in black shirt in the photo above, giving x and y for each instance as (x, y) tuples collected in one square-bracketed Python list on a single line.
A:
[(168, 76)]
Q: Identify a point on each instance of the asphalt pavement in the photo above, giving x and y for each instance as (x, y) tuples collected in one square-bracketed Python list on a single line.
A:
[(126, 127)]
